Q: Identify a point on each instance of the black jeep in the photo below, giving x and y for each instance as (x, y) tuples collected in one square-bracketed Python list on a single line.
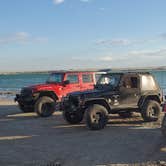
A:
[(116, 92)]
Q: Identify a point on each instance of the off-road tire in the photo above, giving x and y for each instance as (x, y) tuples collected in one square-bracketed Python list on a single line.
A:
[(96, 117), (163, 126), (45, 106), (151, 111), (73, 117), (25, 109), (125, 114)]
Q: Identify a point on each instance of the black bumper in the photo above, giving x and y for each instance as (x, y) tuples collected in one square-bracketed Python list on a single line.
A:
[(24, 100), (16, 99)]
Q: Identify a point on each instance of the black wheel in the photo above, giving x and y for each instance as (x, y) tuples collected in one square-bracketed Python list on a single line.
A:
[(151, 111), (96, 117), (163, 126), (45, 106), (73, 117), (125, 114), (25, 109)]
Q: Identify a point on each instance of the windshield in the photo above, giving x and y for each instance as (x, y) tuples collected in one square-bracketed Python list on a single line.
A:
[(108, 80), (55, 78)]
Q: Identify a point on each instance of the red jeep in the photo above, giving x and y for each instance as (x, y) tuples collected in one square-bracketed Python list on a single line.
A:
[(43, 98)]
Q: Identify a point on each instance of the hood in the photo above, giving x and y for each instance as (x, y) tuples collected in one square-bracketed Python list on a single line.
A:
[(39, 87)]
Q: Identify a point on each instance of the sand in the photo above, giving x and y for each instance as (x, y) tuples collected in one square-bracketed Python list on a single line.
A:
[(26, 139)]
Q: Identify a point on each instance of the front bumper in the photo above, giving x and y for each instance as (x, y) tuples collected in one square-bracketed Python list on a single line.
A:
[(72, 103), (24, 100)]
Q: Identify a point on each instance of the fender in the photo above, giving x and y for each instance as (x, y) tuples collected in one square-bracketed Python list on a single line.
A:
[(100, 101), (144, 98), (46, 93)]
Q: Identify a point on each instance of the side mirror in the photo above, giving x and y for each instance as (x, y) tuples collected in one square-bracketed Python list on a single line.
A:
[(66, 82)]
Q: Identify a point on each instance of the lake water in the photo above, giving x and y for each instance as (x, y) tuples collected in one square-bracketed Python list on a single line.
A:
[(12, 83)]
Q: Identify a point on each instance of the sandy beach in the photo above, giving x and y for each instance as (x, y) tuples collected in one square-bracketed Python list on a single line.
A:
[(7, 102), (26, 139)]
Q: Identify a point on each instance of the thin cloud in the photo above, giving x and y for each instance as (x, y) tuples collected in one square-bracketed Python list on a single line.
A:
[(162, 36), (101, 9), (84, 0), (105, 58), (98, 58), (113, 42), (151, 53), (41, 39), (20, 38), (57, 2), (127, 42)]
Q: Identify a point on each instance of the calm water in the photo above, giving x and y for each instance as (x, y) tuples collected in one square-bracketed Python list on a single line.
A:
[(13, 83)]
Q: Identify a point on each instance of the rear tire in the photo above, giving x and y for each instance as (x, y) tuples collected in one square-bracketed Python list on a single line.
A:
[(125, 114), (96, 117), (45, 106), (163, 126), (151, 111), (73, 117)]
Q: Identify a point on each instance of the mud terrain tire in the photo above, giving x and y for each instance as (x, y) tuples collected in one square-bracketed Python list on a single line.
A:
[(45, 106), (151, 111), (96, 117)]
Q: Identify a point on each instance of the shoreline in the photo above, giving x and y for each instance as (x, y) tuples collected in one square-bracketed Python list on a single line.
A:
[(7, 101), (7, 98)]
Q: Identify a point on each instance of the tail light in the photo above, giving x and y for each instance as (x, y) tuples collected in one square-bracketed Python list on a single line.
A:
[(164, 107)]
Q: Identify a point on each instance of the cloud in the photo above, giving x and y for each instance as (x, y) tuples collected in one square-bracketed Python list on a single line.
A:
[(101, 9), (120, 42), (129, 42), (114, 42), (149, 53), (84, 0), (20, 38), (162, 36), (41, 39), (57, 2), (17, 37), (105, 58), (95, 58)]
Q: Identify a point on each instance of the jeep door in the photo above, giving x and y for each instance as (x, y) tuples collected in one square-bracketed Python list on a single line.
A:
[(87, 81), (74, 83), (129, 91)]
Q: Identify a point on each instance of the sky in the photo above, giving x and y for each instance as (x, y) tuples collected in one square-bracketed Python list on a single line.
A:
[(78, 34)]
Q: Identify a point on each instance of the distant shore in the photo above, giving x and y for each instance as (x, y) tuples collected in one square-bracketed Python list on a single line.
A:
[(89, 69)]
